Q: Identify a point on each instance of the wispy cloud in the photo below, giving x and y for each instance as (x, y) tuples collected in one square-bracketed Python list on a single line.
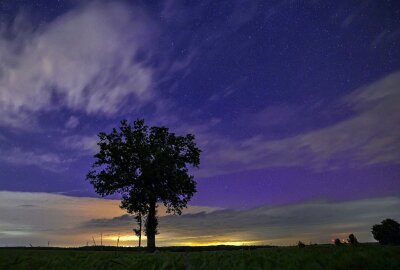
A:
[(50, 161), (370, 136), (72, 122), (315, 221), (84, 60), (40, 217), (66, 221), (229, 90), (82, 144)]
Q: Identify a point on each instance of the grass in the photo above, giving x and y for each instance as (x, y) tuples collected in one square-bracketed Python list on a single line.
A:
[(287, 258)]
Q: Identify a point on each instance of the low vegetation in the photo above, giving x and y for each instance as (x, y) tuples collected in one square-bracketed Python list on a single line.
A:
[(365, 256)]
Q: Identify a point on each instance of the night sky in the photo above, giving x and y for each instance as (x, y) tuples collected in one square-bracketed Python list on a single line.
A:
[(295, 104)]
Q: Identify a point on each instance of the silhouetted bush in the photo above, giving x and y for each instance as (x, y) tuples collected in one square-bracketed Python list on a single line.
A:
[(337, 242), (301, 244), (387, 233), (352, 240)]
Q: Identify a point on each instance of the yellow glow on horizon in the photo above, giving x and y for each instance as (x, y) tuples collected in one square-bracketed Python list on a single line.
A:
[(124, 238), (133, 238), (217, 243)]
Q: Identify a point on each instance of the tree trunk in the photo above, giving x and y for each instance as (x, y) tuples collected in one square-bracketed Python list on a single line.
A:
[(151, 227), (140, 229)]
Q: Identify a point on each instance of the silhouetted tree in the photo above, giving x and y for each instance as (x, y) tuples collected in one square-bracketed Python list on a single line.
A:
[(147, 165), (352, 240), (387, 233), (301, 244), (338, 242)]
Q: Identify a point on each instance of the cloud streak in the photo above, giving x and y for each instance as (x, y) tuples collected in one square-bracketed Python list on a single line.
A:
[(40, 217), (50, 161), (68, 221), (317, 222), (84, 60), (370, 136)]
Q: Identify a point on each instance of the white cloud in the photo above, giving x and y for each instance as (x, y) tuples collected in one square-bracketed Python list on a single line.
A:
[(318, 222), (84, 144), (385, 37), (40, 217), (69, 221), (72, 122), (84, 60), (46, 160), (371, 136)]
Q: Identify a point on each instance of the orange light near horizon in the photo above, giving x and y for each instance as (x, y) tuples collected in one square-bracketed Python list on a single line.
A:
[(217, 243), (130, 239), (121, 238)]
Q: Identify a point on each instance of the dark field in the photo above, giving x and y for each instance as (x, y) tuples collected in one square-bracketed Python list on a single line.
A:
[(308, 258)]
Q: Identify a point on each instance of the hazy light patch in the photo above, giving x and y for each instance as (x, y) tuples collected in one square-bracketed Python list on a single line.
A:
[(38, 218), (316, 222), (15, 233), (73, 221), (122, 238), (222, 242)]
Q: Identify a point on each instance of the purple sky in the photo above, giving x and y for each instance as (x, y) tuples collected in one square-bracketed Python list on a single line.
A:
[(290, 102)]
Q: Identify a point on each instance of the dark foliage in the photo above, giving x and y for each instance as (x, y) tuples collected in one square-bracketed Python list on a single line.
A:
[(352, 240), (301, 244), (338, 242), (387, 233), (147, 165)]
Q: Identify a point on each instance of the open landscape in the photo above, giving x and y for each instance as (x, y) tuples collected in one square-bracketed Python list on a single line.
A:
[(200, 134), (316, 257)]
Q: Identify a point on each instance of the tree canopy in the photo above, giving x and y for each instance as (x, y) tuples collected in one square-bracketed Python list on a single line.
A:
[(146, 165), (352, 239), (388, 232)]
